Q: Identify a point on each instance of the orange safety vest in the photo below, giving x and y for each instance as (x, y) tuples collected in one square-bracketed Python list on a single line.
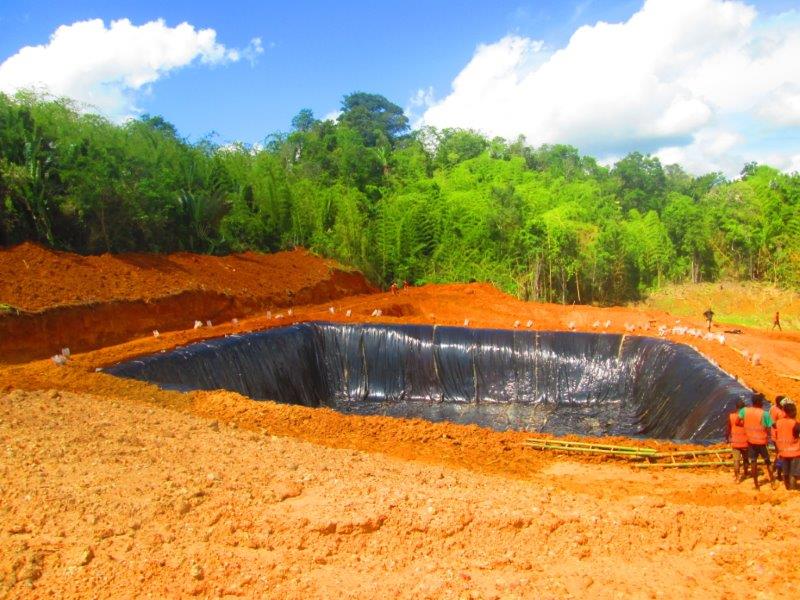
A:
[(754, 428), (775, 412), (738, 435), (788, 445)]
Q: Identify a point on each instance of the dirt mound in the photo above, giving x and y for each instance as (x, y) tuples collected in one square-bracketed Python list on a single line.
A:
[(110, 499), (33, 278), (56, 299)]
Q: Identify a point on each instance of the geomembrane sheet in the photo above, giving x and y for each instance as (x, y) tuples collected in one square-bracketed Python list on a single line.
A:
[(546, 381)]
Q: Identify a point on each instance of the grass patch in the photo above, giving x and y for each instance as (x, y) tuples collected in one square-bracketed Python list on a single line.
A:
[(740, 303)]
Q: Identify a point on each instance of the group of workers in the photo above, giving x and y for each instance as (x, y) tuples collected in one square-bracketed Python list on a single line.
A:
[(395, 290), (750, 429)]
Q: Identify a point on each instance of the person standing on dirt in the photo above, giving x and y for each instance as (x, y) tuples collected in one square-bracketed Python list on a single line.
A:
[(737, 438), (787, 441), (709, 315), (776, 413), (393, 289), (776, 321), (757, 422)]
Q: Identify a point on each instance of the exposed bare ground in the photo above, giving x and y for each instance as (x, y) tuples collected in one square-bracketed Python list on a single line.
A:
[(102, 497), (112, 488)]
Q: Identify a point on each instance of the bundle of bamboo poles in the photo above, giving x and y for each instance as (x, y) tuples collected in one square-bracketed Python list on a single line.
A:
[(630, 452), (698, 457), (644, 457)]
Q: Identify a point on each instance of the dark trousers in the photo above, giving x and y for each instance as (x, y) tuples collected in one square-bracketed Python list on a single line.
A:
[(791, 471), (756, 450)]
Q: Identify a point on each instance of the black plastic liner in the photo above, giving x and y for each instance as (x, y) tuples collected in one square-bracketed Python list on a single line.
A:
[(555, 382)]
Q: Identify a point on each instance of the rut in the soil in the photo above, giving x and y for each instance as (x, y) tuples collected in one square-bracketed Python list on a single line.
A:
[(554, 382)]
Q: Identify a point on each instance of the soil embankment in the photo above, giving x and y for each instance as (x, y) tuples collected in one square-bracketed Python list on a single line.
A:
[(115, 488), (55, 299)]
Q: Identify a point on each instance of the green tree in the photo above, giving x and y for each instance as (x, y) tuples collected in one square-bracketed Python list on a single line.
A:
[(640, 182), (374, 118), (688, 225), (545, 223), (304, 120)]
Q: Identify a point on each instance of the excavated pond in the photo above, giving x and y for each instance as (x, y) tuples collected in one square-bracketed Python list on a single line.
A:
[(555, 382)]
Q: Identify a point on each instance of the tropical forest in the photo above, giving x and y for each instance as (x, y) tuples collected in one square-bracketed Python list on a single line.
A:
[(420, 205)]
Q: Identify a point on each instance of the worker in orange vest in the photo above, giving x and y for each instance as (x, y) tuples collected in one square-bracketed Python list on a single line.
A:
[(787, 440), (737, 438), (776, 410), (757, 423), (775, 413)]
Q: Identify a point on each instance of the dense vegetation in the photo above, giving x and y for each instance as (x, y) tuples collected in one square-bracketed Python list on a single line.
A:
[(427, 205)]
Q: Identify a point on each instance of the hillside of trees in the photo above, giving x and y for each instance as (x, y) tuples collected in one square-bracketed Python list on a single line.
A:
[(428, 205)]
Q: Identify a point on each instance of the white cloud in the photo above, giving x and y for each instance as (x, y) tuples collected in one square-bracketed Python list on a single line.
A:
[(422, 99), (710, 150), (240, 146), (107, 67), (782, 106), (679, 77)]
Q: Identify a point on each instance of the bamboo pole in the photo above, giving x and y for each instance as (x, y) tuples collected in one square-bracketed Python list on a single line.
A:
[(633, 453), (622, 450), (691, 453), (566, 443), (606, 452), (684, 465)]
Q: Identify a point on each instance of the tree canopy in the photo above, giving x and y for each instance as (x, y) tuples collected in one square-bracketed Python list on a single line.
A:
[(429, 205), (377, 120)]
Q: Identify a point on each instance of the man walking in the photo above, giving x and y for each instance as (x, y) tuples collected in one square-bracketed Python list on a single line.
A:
[(709, 315)]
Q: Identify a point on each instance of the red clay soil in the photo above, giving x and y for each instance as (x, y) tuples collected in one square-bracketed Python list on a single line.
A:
[(105, 498), (56, 299), (435, 510), (33, 278)]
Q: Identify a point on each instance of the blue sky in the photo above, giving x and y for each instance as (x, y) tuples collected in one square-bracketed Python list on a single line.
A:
[(315, 52), (322, 50)]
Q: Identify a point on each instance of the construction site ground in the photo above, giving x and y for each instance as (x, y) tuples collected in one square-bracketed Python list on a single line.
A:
[(114, 488)]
